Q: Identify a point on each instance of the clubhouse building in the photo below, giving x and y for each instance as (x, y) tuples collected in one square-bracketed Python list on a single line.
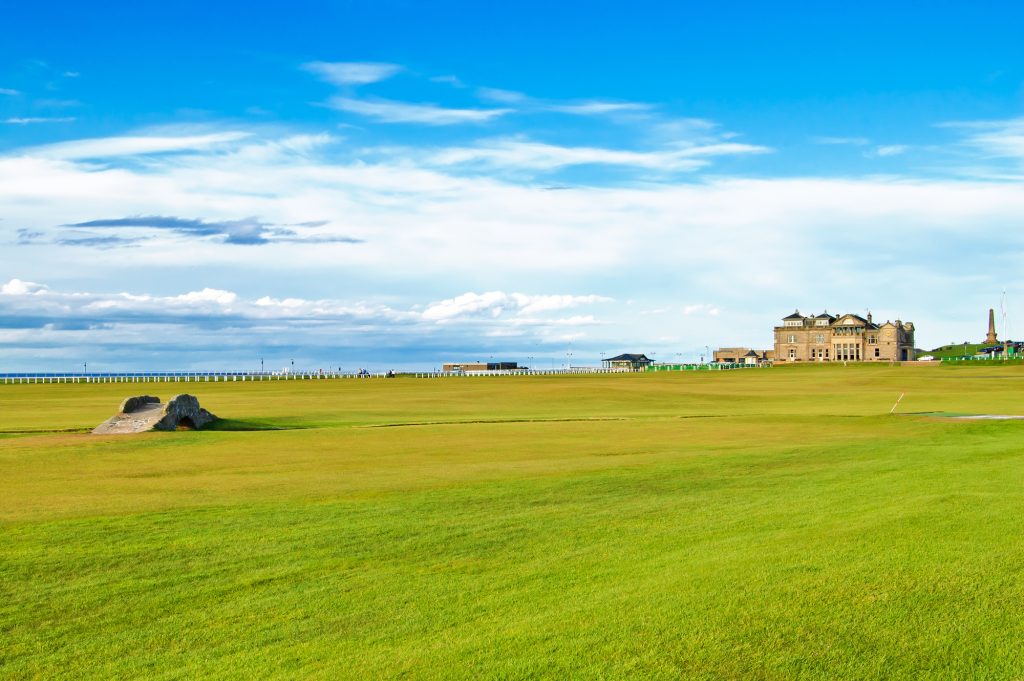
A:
[(846, 338)]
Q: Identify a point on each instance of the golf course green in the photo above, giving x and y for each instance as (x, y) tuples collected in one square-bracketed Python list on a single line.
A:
[(775, 523)]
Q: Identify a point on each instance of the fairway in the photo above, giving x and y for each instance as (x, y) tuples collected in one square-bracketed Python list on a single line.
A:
[(774, 523)]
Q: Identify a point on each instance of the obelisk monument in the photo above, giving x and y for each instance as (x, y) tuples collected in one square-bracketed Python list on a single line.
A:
[(991, 338)]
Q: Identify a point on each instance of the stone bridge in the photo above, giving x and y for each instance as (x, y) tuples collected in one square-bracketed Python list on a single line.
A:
[(144, 412)]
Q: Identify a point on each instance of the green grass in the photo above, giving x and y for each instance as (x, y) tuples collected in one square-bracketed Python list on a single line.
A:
[(750, 524), (955, 350)]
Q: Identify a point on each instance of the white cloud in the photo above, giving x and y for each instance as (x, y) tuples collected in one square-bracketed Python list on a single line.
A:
[(352, 73), (207, 303), (527, 304), (389, 111), (887, 150), (701, 309), (9, 92), (465, 304), (750, 245), (502, 96), (998, 138), (29, 120), (133, 145), (593, 108), (208, 295), (537, 155), (449, 80), (495, 303), (17, 287), (852, 141), (586, 108)]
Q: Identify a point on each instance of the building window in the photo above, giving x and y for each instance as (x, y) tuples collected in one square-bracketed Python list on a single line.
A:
[(877, 353), (820, 338), (792, 339)]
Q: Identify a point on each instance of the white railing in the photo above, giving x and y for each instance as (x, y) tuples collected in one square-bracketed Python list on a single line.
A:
[(253, 376), (180, 377)]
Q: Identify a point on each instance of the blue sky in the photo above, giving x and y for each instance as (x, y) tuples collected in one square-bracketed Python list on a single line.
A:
[(399, 184)]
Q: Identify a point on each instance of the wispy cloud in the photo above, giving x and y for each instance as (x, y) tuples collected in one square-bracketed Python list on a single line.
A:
[(887, 150), (852, 141), (701, 309), (585, 108), (57, 103), (133, 145), (390, 111), (30, 120), (541, 156), (98, 241), (494, 303), (594, 108), (454, 81), (494, 94), (996, 138), (9, 92), (352, 73), (247, 231)]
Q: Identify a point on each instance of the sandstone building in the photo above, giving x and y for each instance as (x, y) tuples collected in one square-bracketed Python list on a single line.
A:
[(846, 338), (742, 356)]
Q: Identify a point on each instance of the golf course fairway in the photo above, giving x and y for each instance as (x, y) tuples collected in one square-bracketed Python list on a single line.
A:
[(772, 523)]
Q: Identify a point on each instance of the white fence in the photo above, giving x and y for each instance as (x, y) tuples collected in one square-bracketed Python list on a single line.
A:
[(180, 377), (524, 372), (234, 377)]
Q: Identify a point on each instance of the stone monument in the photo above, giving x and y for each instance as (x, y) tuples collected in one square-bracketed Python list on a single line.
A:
[(991, 338)]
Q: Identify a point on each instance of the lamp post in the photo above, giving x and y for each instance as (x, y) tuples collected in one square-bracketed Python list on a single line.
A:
[(261, 365)]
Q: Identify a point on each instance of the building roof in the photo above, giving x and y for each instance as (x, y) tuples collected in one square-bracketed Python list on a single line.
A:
[(825, 315), (751, 354), (628, 357), (795, 315)]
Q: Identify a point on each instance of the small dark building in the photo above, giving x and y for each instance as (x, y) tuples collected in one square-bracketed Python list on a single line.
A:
[(502, 366), (627, 361), (481, 366)]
